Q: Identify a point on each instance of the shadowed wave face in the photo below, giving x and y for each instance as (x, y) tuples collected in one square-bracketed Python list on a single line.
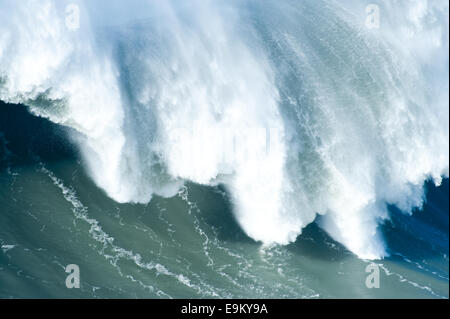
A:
[(324, 114)]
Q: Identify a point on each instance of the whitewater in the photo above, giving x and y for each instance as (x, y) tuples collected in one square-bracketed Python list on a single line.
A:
[(297, 108)]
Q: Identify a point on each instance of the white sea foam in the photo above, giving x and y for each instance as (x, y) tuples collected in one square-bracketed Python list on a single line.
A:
[(109, 249), (358, 117)]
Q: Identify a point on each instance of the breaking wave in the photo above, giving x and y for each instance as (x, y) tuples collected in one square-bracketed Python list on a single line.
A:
[(296, 107)]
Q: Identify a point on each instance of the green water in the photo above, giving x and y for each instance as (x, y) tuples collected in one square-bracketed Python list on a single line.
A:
[(188, 246)]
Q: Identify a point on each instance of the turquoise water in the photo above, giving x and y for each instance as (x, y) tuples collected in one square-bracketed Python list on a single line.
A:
[(189, 246)]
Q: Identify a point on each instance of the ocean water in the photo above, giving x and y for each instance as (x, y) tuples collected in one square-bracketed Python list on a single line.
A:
[(115, 130)]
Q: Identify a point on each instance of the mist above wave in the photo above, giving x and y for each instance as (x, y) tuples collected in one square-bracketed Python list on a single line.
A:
[(297, 108)]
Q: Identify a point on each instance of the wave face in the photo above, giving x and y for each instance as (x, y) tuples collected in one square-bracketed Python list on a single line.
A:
[(296, 107)]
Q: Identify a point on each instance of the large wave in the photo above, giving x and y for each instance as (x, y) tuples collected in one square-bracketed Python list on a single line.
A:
[(296, 107)]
